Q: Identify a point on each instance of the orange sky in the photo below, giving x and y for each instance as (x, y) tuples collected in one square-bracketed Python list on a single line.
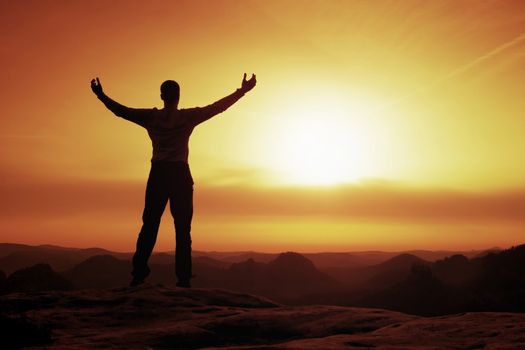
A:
[(384, 125)]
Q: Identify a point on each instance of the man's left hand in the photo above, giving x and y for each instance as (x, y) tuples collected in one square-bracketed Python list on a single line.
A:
[(96, 87)]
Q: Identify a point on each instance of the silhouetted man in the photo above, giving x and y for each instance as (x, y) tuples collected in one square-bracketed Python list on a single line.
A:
[(169, 179)]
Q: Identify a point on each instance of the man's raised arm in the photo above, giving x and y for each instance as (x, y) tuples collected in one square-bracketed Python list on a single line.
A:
[(205, 113), (135, 115)]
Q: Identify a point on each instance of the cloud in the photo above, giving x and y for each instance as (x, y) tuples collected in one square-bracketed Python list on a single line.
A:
[(467, 66), (23, 136), (368, 202), (382, 204)]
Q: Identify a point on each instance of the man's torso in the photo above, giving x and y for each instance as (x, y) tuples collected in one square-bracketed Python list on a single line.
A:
[(170, 131)]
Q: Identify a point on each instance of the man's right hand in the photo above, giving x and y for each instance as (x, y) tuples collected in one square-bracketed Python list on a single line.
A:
[(247, 85), (96, 87)]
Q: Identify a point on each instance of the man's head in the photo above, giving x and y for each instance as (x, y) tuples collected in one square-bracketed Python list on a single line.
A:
[(170, 92)]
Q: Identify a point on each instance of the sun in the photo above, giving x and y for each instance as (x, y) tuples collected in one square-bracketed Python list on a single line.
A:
[(314, 152), (323, 141)]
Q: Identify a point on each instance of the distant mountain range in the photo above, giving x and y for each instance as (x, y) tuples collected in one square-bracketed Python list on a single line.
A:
[(16, 256), (475, 281)]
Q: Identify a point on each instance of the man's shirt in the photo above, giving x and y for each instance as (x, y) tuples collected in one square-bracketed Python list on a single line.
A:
[(170, 129)]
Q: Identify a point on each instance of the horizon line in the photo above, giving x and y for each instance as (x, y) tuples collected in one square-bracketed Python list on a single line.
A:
[(494, 247)]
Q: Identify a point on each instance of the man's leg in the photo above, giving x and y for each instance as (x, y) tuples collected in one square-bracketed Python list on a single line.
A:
[(156, 199), (181, 206)]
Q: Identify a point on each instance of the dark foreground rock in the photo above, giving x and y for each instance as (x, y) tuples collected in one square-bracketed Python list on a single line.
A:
[(157, 317)]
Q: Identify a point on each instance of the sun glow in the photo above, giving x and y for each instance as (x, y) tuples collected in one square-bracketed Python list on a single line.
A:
[(324, 140)]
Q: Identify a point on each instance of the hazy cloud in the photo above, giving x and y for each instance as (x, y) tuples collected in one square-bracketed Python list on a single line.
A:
[(369, 202)]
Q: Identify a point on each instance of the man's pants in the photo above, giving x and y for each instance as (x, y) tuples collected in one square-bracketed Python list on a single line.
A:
[(173, 181)]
